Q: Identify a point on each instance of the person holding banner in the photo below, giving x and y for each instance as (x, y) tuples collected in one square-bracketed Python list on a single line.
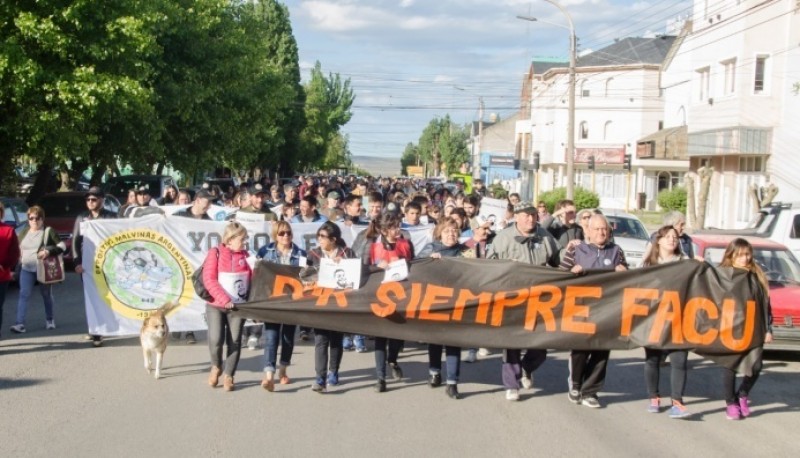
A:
[(445, 245), (526, 242), (391, 247), (361, 246), (588, 367), (225, 272), (329, 246), (739, 255), (666, 250), (36, 242), (281, 251)]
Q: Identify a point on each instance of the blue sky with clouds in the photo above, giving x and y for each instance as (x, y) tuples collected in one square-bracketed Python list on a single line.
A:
[(412, 60)]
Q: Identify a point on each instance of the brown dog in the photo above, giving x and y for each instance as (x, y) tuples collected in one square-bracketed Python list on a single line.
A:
[(154, 337)]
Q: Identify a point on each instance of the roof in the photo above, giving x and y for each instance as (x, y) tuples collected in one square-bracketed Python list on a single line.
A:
[(542, 66), (631, 50)]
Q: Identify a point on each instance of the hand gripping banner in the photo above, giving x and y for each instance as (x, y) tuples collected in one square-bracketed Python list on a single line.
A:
[(504, 304)]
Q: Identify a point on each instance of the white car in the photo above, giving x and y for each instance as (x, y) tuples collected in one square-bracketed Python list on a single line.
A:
[(630, 234)]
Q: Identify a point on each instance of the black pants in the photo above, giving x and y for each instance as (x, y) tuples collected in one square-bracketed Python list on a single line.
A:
[(324, 340), (730, 393), (381, 345), (588, 371), (652, 371)]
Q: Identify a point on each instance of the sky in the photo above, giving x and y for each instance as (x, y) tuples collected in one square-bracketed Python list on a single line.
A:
[(410, 61)]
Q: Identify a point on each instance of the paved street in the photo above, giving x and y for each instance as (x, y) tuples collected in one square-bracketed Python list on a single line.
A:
[(61, 397)]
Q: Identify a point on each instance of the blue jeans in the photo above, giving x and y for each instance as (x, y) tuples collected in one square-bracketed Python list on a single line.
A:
[(351, 340), (27, 280), (453, 361), (271, 333), (382, 344)]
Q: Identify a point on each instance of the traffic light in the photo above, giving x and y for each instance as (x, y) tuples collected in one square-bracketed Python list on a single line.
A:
[(626, 163), (536, 161), (591, 162)]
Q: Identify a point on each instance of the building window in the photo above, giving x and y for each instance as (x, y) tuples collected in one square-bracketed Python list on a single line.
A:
[(584, 90), (583, 130), (703, 82), (760, 81), (751, 164), (607, 131), (608, 87), (729, 83)]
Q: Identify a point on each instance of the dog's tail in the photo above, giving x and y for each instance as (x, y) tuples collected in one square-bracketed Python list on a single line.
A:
[(168, 307)]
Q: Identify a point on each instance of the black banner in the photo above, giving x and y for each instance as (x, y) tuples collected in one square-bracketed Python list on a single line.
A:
[(504, 304)]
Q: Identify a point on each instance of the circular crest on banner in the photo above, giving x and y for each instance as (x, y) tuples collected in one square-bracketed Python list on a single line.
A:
[(139, 270)]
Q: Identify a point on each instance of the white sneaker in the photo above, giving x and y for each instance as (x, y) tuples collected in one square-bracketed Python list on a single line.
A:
[(527, 382), (484, 352), (471, 356), (512, 395), (50, 324), (18, 328), (252, 342)]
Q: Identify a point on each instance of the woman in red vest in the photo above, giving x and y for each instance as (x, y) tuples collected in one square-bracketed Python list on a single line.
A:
[(390, 247)]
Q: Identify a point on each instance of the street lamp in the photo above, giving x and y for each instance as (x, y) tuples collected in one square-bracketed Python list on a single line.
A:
[(571, 97)]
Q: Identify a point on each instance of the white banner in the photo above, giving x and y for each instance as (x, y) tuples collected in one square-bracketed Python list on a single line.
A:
[(138, 265)]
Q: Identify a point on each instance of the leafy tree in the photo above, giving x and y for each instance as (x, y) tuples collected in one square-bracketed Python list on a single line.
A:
[(409, 157), (442, 142), (584, 198), (673, 199)]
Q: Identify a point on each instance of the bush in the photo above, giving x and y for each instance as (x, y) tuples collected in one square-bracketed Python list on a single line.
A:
[(673, 199), (498, 192), (583, 198)]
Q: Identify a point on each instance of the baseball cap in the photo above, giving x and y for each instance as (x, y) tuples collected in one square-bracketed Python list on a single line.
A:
[(95, 191), (333, 195), (525, 206), (142, 189), (256, 189), (203, 194)]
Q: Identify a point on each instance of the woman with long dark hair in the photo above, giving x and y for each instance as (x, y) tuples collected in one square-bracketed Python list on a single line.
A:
[(739, 255), (330, 245)]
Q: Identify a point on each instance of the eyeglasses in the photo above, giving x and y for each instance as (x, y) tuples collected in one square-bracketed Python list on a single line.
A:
[(285, 234), (34, 218), (92, 199)]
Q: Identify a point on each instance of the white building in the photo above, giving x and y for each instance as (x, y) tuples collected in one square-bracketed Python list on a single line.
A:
[(618, 102), (732, 83)]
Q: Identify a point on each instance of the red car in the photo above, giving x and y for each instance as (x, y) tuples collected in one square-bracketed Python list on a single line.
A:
[(783, 272), (62, 208)]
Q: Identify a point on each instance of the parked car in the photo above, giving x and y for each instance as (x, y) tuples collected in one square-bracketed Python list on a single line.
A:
[(630, 234), (783, 272), (119, 186), (16, 209), (61, 209)]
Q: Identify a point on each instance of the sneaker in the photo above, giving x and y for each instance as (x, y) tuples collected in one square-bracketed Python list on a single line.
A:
[(472, 356), (190, 338), (512, 395), (50, 324), (452, 391), (678, 410), (744, 408), (733, 412), (361, 349), (591, 402), (434, 380), (18, 328), (333, 378), (397, 372), (526, 380), (97, 341), (88, 337), (655, 405), (484, 352), (318, 385), (574, 396), (304, 336), (252, 342), (380, 386)]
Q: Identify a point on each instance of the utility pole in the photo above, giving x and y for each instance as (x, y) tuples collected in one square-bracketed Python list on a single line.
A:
[(477, 158)]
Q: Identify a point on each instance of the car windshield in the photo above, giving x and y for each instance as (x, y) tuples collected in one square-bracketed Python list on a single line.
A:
[(627, 227), (60, 206), (778, 265)]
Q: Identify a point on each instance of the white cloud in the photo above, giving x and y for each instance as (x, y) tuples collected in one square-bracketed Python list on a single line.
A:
[(406, 3)]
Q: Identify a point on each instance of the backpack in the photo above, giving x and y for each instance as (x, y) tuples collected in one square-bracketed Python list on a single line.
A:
[(197, 282)]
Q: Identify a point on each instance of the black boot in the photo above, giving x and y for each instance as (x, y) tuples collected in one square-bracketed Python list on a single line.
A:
[(452, 391)]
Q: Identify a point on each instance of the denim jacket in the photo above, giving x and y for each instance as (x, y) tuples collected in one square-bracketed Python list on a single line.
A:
[(270, 253)]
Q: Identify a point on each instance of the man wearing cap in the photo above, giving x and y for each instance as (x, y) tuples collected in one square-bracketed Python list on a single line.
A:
[(143, 199), (94, 204), (331, 209), (199, 208), (256, 206), (526, 242)]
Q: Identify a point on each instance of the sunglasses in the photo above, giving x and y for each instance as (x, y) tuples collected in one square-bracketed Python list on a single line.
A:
[(34, 218), (92, 199), (285, 234)]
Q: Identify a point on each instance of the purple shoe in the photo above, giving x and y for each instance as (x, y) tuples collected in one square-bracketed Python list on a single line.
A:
[(733, 412), (744, 408)]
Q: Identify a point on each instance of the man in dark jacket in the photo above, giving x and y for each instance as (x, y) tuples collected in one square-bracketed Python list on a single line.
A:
[(94, 205), (588, 367), (199, 208)]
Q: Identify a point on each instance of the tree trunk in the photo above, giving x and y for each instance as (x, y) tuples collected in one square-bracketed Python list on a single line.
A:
[(691, 206), (160, 168), (705, 174)]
